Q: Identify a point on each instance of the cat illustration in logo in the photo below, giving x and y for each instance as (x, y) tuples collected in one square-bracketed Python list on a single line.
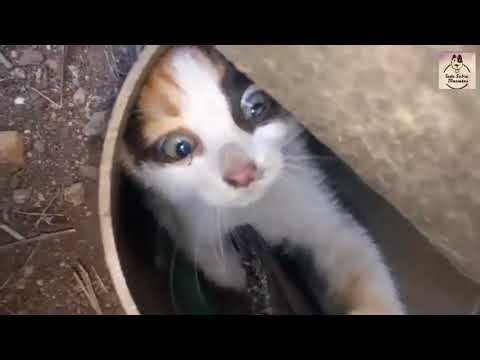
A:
[(457, 73), (456, 64)]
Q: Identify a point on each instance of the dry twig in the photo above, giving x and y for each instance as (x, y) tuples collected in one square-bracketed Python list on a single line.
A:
[(5, 61), (99, 280), (85, 282), (46, 208), (11, 232), (37, 213), (46, 97), (41, 237)]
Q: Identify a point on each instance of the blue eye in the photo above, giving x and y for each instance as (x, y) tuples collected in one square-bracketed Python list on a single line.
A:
[(177, 146), (255, 104), (184, 148)]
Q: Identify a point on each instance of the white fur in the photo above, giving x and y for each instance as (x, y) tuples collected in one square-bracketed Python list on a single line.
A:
[(290, 201)]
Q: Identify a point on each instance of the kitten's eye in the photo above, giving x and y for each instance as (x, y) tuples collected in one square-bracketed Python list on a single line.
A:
[(178, 146), (255, 104)]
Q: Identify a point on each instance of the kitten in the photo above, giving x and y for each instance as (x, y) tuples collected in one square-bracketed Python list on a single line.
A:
[(218, 152)]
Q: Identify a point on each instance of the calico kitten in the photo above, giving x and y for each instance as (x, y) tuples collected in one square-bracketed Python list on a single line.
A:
[(218, 152)]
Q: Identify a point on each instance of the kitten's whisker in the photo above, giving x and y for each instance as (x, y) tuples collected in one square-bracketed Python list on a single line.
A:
[(309, 157), (297, 167), (294, 137), (197, 280)]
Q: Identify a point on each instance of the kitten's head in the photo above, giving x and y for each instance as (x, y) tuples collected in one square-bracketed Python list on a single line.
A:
[(205, 130)]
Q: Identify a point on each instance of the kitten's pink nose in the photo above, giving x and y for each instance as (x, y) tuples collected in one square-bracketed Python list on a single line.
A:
[(242, 176)]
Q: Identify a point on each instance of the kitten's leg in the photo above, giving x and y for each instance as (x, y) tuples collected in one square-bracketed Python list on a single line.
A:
[(357, 277), (343, 253)]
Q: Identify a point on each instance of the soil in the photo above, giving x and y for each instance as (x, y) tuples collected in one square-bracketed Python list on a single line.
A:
[(38, 277)]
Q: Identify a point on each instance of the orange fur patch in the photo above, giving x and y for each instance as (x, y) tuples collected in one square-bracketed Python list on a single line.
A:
[(159, 100)]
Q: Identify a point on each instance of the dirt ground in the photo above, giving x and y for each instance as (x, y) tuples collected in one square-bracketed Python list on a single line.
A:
[(62, 120)]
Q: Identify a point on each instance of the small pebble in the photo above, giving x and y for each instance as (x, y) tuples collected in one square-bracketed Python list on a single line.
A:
[(75, 194), (51, 64), (39, 282), (20, 196), (97, 125), (27, 131), (20, 285), (39, 146), (28, 270), (38, 75), (18, 73), (79, 97), (13, 54), (19, 101)]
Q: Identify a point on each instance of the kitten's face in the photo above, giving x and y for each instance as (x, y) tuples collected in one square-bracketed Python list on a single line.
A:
[(206, 131)]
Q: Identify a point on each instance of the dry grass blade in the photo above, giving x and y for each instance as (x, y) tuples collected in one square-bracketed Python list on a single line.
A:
[(5, 61), (41, 237), (111, 61), (99, 280), (62, 73), (85, 282), (46, 208), (37, 213), (57, 106), (12, 232)]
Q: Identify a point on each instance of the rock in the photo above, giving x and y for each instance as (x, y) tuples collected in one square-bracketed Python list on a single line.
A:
[(38, 75), (30, 57), (11, 148), (89, 172), (75, 73), (40, 197), (20, 196), (21, 283), (19, 101), (96, 126), (13, 54), (28, 271), (51, 64), (74, 194), (18, 73), (39, 146), (39, 282), (79, 97)]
